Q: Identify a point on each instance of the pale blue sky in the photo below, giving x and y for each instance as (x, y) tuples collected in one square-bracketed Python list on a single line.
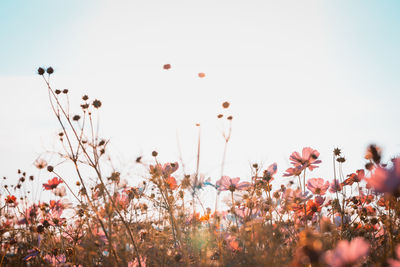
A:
[(298, 73)]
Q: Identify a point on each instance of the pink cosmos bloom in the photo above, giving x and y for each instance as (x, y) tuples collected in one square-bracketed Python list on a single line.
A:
[(60, 191), (165, 170), (231, 184), (335, 186), (317, 186), (270, 172), (308, 159), (355, 177), (386, 180), (393, 262), (347, 253), (295, 171), (52, 183), (122, 200)]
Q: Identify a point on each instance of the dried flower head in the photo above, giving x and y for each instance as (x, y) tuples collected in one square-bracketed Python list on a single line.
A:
[(76, 117), (337, 151), (40, 71), (50, 70), (96, 103)]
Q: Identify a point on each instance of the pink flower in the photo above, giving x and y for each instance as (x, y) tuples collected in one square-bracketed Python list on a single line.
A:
[(308, 159), (347, 253), (393, 262), (52, 183), (386, 180), (295, 171), (317, 186), (355, 177), (270, 172), (335, 186), (165, 170), (231, 184)]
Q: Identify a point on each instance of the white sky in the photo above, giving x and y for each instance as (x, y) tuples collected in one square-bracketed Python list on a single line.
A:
[(297, 73)]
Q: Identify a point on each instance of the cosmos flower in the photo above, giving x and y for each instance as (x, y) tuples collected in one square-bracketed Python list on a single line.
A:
[(270, 172), (171, 182), (335, 186), (317, 186), (231, 184), (165, 170), (355, 177), (11, 199), (52, 183), (307, 159), (347, 253), (312, 207), (60, 191), (40, 163), (295, 171), (386, 180)]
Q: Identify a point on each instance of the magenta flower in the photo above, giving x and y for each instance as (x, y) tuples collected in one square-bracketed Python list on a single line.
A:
[(231, 184), (308, 159), (317, 186), (347, 253), (386, 180)]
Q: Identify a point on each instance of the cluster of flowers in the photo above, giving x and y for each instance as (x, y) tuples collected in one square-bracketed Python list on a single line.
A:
[(266, 219), (351, 220)]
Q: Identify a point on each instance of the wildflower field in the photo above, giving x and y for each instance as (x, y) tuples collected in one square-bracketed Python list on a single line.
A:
[(265, 219)]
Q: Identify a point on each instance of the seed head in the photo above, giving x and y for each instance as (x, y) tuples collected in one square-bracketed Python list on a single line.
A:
[(40, 71), (76, 118), (65, 91), (337, 151), (225, 104), (50, 70), (154, 153), (50, 168), (96, 103)]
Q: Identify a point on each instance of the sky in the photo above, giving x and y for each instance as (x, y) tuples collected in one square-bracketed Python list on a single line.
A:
[(297, 73)]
